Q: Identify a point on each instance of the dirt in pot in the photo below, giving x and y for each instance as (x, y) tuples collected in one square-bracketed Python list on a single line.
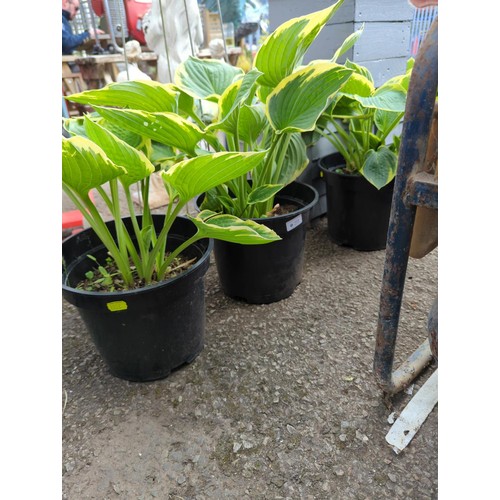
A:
[(282, 210), (106, 278)]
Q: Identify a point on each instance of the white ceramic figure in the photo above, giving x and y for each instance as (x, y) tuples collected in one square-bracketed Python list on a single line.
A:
[(175, 33)]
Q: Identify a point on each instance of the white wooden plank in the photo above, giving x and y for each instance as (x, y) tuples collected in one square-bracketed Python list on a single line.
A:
[(383, 10), (414, 415), (381, 40), (283, 10)]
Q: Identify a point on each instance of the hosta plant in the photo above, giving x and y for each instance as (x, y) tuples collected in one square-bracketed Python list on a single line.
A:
[(214, 108), (360, 121), (99, 160)]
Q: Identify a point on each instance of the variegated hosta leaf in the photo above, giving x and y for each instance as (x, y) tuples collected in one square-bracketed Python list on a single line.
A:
[(205, 78), (348, 43), (380, 166), (137, 165), (240, 92), (166, 128), (131, 138), (388, 97), (283, 50), (85, 165), (263, 92), (358, 85), (386, 121), (227, 121), (197, 175), (296, 160), (263, 193), (360, 70), (142, 95), (185, 102), (161, 153), (230, 228), (251, 122), (75, 126), (298, 101), (402, 81)]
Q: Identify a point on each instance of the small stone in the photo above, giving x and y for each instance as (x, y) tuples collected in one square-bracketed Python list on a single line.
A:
[(247, 445), (290, 428), (181, 479), (361, 436), (338, 470), (393, 478), (236, 447), (342, 437), (278, 481)]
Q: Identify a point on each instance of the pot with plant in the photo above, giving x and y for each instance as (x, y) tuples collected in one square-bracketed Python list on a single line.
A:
[(265, 111), (361, 125), (137, 280)]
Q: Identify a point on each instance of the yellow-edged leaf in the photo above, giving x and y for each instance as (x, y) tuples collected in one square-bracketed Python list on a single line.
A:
[(85, 165), (298, 101), (136, 163), (230, 228), (141, 95), (283, 50), (166, 128), (197, 175)]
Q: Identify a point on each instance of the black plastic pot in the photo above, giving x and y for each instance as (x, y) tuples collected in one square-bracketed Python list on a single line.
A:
[(358, 213), (146, 333), (260, 274)]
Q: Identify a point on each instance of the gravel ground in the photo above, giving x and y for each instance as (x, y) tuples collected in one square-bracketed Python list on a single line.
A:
[(281, 403)]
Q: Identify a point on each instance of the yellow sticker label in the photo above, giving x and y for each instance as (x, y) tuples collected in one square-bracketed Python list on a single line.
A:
[(117, 305)]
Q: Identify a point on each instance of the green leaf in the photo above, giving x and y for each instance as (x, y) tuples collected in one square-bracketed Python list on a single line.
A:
[(348, 43), (263, 193), (75, 126), (284, 49), (360, 70), (185, 102), (141, 95), (380, 166), (358, 85), (233, 99), (230, 228), (166, 128), (136, 163), (205, 78), (197, 175), (386, 121), (85, 165), (251, 122), (296, 160), (161, 153), (147, 235), (298, 101), (131, 138), (388, 97)]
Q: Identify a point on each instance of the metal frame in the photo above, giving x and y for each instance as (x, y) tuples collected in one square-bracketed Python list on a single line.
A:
[(413, 187)]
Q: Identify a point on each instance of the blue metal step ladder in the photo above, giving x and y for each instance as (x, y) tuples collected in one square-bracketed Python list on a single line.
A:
[(414, 187)]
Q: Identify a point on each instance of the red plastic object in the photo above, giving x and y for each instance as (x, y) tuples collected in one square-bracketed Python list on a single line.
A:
[(134, 11), (72, 218)]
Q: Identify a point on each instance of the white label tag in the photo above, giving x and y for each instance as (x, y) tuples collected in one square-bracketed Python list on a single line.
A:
[(292, 224)]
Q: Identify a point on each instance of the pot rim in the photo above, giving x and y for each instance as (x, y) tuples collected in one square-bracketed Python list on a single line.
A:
[(128, 293), (299, 210)]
